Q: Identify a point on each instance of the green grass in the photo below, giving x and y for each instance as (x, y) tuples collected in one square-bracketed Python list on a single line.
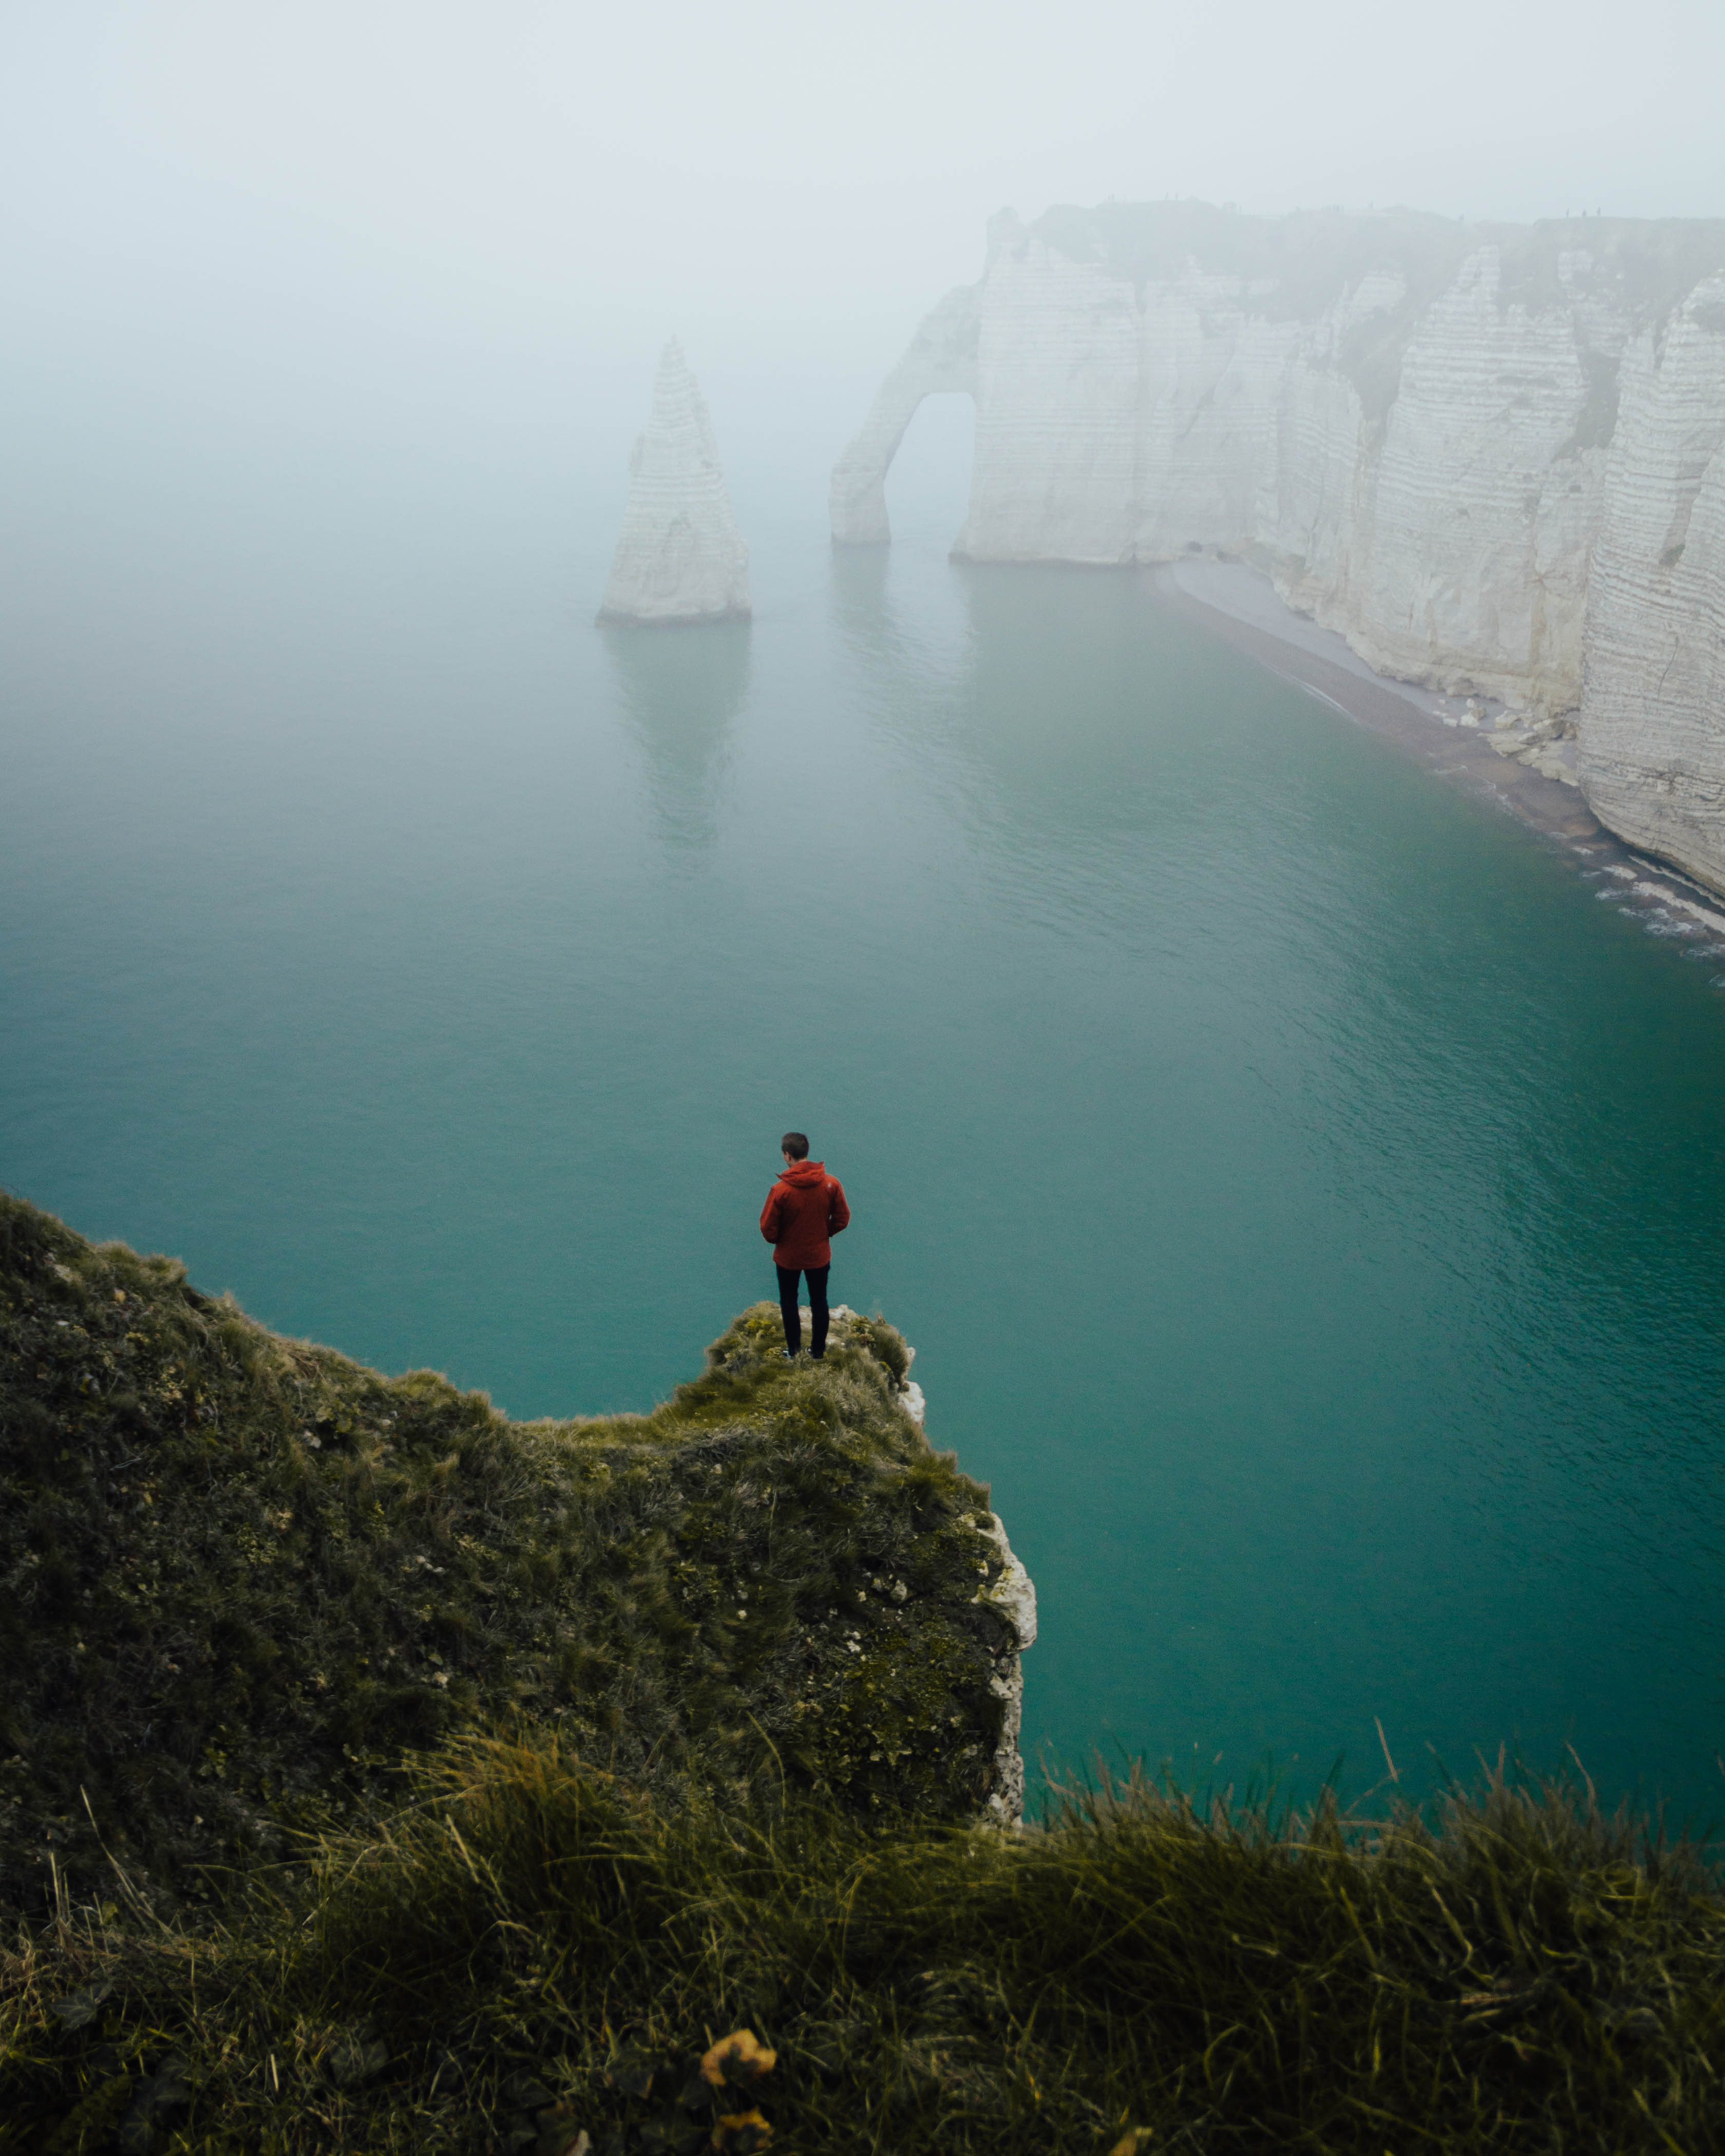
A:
[(239, 1576), (526, 1949), (382, 1775)]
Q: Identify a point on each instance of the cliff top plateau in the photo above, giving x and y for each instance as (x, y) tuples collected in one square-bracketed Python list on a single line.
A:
[(1300, 264)]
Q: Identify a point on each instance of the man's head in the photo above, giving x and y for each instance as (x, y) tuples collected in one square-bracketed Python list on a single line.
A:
[(793, 1146)]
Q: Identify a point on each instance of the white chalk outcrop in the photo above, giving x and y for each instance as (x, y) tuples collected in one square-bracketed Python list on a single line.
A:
[(1011, 1594), (1652, 734), (679, 557), (1490, 457)]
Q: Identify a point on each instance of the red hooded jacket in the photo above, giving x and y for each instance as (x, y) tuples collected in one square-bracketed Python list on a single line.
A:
[(802, 1208)]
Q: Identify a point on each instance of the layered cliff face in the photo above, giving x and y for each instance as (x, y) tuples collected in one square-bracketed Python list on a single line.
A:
[(1468, 448), (679, 557), (1653, 723)]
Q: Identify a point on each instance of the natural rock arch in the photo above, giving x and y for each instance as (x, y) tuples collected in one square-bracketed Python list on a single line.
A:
[(942, 355)]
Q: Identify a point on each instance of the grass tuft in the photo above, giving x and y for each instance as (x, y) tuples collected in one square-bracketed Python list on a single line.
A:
[(525, 1948)]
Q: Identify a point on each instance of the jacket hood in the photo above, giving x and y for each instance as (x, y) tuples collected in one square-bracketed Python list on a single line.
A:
[(803, 1172)]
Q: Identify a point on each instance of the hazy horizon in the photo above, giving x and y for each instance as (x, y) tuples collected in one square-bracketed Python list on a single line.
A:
[(772, 188)]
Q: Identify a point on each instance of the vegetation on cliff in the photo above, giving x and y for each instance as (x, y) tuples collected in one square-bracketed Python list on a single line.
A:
[(610, 1788), (527, 1951), (239, 1576)]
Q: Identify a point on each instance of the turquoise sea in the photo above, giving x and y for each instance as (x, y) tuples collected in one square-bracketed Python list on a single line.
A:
[(1306, 1199)]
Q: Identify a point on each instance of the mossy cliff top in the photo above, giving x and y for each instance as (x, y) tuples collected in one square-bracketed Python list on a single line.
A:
[(240, 1575), (748, 1655)]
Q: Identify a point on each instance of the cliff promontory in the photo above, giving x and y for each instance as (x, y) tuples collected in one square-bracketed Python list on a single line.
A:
[(240, 1576), (1491, 456)]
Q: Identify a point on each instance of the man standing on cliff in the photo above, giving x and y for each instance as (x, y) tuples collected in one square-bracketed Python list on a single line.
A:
[(804, 1209)]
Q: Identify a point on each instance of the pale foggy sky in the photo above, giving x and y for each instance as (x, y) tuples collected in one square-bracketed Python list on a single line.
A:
[(774, 174)]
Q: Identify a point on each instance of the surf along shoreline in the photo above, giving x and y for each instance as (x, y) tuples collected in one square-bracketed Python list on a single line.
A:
[(1231, 600)]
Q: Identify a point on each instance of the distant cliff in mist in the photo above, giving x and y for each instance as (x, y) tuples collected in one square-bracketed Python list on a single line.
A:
[(1491, 456)]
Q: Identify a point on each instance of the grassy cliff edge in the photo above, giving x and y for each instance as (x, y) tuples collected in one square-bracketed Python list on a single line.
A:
[(240, 1576), (382, 1775)]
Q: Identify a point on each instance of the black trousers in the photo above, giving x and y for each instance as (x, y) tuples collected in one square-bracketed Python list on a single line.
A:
[(816, 1276)]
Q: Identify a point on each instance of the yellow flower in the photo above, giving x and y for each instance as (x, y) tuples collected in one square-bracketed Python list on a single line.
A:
[(742, 2129), (739, 2056)]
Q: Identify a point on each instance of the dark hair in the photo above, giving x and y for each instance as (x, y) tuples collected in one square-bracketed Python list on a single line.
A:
[(795, 1144)]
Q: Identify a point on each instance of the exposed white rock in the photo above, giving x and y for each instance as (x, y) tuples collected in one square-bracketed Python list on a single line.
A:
[(1057, 374), (679, 557), (1462, 554), (1653, 719), (1012, 1594), (1559, 759), (840, 1315), (910, 1398), (1493, 459)]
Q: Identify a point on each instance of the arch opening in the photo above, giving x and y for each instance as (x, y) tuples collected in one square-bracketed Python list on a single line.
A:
[(942, 357), (928, 484)]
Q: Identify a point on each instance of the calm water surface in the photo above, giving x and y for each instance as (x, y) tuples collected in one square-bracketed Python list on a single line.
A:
[(1306, 1199)]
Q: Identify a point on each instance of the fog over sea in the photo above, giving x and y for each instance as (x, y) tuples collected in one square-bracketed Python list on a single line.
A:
[(1307, 1199)]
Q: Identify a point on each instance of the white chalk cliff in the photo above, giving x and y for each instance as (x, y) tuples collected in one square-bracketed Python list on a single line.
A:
[(1491, 457), (1652, 734), (679, 557)]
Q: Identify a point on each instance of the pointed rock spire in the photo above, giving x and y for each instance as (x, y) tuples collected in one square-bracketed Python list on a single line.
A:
[(679, 556)]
